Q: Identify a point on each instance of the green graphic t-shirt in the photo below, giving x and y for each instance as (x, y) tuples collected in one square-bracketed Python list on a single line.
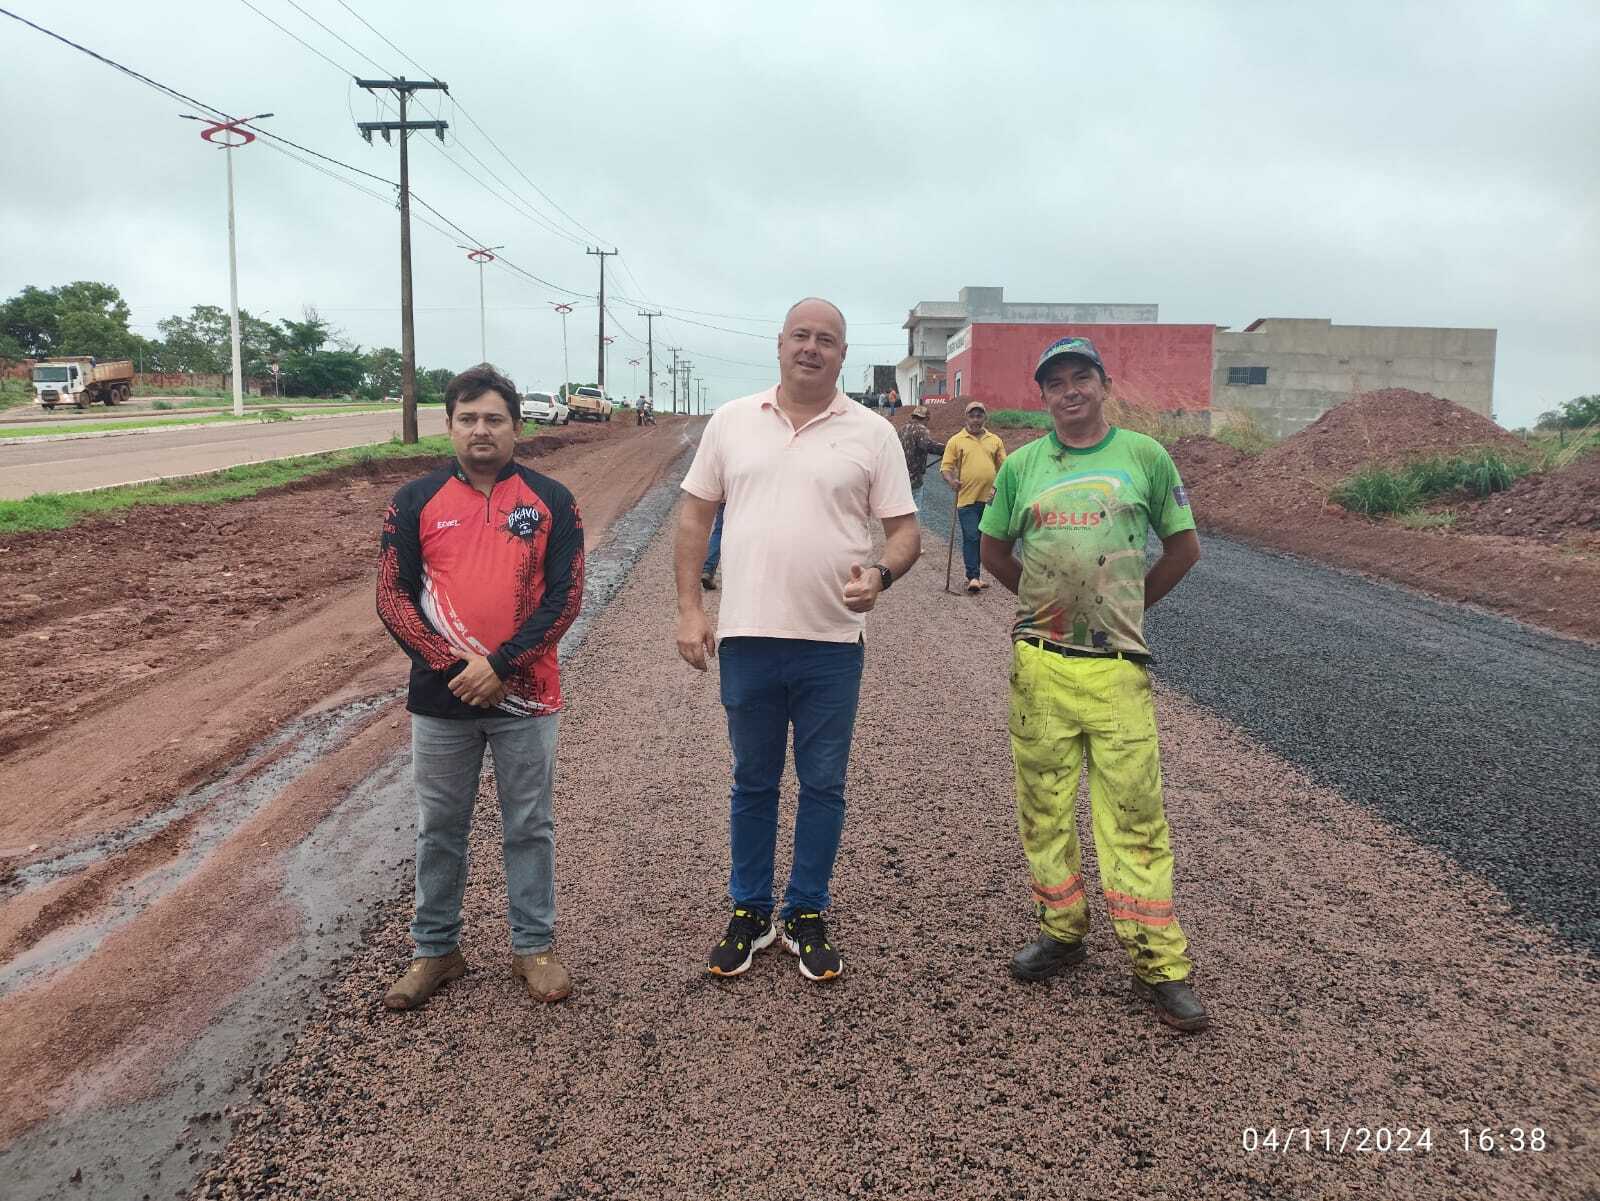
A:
[(1080, 518)]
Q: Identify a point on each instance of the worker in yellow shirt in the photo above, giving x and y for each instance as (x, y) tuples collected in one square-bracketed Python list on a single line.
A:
[(971, 461)]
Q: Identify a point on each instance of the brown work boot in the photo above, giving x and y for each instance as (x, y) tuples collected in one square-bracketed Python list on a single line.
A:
[(546, 979), (423, 978)]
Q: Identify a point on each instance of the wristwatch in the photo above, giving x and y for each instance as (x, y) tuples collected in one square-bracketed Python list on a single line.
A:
[(885, 576)]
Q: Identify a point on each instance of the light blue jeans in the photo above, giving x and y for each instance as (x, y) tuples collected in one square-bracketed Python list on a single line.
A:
[(446, 760)]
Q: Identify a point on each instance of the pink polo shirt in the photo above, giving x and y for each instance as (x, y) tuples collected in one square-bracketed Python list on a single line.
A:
[(799, 502)]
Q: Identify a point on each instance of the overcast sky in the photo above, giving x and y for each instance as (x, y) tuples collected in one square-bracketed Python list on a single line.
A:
[(1385, 163)]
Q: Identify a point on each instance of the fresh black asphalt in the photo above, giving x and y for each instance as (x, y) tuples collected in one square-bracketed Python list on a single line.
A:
[(1472, 733)]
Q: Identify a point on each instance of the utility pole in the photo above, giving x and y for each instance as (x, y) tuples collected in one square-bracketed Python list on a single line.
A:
[(688, 396), (600, 346), (403, 87), (650, 316), (634, 363), (674, 369)]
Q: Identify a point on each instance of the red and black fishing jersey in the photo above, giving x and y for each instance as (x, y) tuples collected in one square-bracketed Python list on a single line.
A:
[(463, 574)]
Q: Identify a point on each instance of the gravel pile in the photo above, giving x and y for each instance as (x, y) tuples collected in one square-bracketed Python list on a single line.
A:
[(1550, 505), (1356, 977)]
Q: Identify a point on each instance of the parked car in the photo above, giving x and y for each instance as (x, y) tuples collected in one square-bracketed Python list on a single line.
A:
[(546, 408), (590, 404)]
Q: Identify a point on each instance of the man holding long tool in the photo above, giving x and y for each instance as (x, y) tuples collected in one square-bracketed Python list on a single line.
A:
[(803, 470), (1081, 501), (971, 460)]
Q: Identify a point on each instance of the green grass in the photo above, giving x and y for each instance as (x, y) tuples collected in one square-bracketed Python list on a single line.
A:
[(140, 423), (1380, 491), (1418, 520), (58, 510), (1240, 430), (14, 392), (1022, 419)]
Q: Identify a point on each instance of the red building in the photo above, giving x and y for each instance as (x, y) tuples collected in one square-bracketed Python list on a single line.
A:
[(1165, 367)]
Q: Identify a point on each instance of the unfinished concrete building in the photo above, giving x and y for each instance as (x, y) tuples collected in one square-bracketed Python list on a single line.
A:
[(1285, 372)]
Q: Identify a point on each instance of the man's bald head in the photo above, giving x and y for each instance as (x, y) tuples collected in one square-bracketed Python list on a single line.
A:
[(818, 301)]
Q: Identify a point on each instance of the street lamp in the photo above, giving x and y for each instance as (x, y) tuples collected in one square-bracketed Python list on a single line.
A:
[(606, 366), (214, 133), (566, 371), (481, 255)]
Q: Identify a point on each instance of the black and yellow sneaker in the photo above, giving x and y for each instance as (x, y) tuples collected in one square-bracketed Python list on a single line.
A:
[(806, 935), (749, 931)]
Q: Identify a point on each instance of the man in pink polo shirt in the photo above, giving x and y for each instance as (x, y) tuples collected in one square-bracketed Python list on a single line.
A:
[(803, 470)]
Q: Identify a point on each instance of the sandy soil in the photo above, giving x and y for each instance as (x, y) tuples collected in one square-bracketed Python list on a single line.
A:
[(1356, 979), (153, 650)]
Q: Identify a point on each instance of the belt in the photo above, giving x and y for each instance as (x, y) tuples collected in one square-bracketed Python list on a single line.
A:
[(1073, 652)]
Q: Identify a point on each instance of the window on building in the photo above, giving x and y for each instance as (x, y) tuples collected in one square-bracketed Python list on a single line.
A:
[(958, 383), (1240, 377)]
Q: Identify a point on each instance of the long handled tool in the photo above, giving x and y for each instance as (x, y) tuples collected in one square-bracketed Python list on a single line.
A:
[(955, 495)]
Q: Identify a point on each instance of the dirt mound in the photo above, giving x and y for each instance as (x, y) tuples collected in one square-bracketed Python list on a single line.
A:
[(1549, 505), (1199, 457), (1388, 426)]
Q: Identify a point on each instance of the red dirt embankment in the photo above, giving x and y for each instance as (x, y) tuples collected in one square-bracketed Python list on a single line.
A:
[(1492, 557), (151, 649)]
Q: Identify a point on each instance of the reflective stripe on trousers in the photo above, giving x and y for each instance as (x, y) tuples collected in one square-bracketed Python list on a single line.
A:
[(1065, 712)]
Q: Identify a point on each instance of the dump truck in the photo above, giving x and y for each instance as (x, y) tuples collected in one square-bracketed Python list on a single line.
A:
[(81, 381)]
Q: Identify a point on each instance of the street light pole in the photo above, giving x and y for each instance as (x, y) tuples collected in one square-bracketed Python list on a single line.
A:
[(605, 360), (566, 369), (213, 133), (481, 255)]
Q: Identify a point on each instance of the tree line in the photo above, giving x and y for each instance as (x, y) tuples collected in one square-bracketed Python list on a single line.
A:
[(313, 358)]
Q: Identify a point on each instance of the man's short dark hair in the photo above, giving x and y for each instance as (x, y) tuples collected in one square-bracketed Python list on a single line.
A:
[(474, 382)]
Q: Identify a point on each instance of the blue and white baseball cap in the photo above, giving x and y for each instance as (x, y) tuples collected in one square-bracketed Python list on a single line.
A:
[(1061, 348)]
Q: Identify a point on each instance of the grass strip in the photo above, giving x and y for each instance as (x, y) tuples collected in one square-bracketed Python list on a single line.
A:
[(150, 423), (58, 510)]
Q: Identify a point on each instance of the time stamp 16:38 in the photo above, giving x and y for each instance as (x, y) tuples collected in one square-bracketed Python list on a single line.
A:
[(1393, 1140)]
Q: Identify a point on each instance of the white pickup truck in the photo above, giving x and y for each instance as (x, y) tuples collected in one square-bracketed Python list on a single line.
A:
[(81, 381), (545, 407)]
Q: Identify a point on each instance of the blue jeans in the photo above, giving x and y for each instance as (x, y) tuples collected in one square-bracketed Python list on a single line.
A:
[(446, 758), (970, 515), (767, 685), (714, 545)]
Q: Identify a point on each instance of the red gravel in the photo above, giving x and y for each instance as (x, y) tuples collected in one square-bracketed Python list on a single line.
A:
[(1550, 506), (1355, 977)]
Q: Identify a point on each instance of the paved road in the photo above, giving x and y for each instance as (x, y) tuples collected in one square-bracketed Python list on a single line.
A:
[(1470, 732), (77, 465)]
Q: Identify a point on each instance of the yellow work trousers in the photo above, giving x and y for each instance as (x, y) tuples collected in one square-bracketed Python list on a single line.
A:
[(1065, 711)]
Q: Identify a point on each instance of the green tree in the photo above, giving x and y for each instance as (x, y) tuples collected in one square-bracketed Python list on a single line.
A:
[(431, 385), (202, 342), (383, 367), (322, 372), (83, 317), (307, 336)]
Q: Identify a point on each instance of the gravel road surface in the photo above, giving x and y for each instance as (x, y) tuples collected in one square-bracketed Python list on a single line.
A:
[(1357, 978), (79, 464)]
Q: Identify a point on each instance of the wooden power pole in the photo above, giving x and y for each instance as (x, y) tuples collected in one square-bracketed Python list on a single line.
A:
[(650, 316), (408, 339), (600, 369)]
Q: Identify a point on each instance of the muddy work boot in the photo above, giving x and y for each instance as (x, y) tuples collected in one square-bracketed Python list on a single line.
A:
[(423, 978), (1045, 957), (1175, 1003), (543, 974)]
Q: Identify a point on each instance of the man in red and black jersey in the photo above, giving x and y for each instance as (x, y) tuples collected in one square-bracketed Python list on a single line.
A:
[(480, 573)]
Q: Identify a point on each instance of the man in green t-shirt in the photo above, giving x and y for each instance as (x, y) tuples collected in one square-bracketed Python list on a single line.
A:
[(1080, 502)]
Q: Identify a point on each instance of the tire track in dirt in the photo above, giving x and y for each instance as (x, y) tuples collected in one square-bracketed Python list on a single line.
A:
[(147, 922)]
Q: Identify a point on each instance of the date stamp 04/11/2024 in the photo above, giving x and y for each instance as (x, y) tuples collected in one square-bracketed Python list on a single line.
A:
[(1393, 1140)]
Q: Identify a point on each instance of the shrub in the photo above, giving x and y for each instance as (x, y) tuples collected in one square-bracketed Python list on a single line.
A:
[(161, 404)]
